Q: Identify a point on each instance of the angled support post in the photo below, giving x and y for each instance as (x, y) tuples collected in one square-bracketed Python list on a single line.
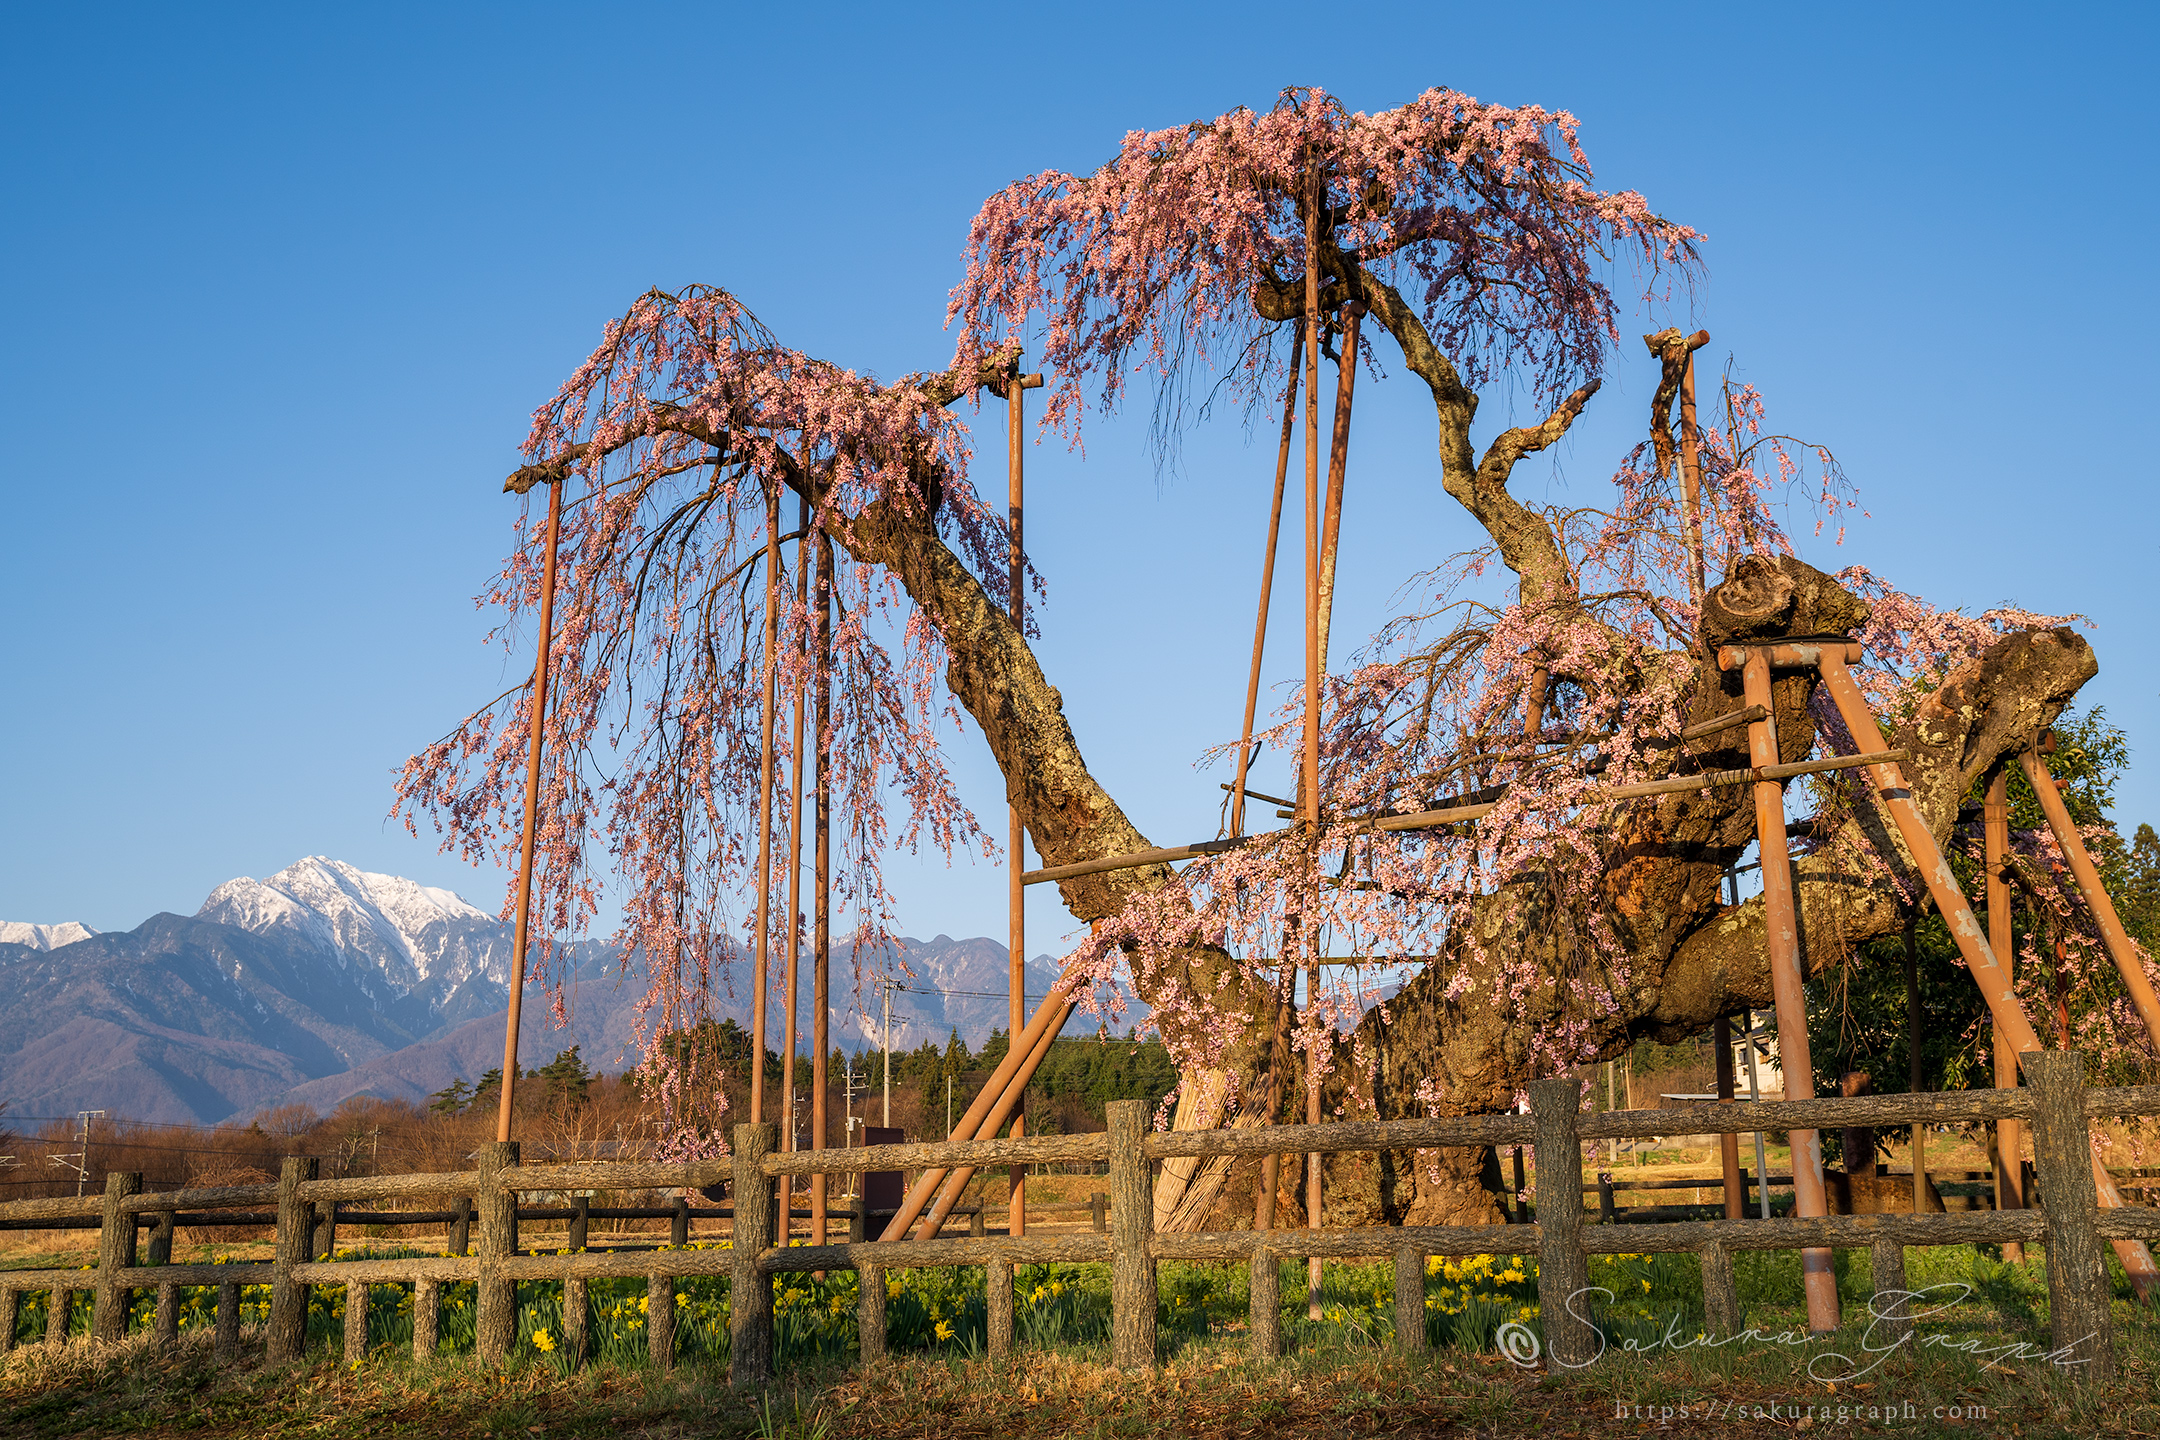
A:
[(1927, 856)]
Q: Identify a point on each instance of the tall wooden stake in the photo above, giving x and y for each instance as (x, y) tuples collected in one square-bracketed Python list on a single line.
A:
[(522, 938), (1267, 587), (758, 973), (1781, 921), (1310, 781), (2009, 1135), (795, 909), (821, 928), (1016, 389)]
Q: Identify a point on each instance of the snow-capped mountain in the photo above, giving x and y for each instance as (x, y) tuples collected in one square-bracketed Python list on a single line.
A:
[(43, 937), (422, 951)]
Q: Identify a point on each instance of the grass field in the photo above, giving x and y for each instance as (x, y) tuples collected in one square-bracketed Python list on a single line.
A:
[(1972, 1370)]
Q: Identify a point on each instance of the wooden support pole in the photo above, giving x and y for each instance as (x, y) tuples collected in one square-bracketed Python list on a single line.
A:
[(1016, 389), (1133, 1295), (2002, 1001), (521, 937), (426, 1318), (2009, 1147), (821, 929), (750, 1317), (796, 799), (1267, 587), (1309, 756), (2078, 1315), (495, 1310), (2119, 945), (759, 976), (1410, 1300), (287, 1336), (984, 1115), (1721, 1294), (113, 1296), (1729, 1144), (1787, 982), (1563, 1269)]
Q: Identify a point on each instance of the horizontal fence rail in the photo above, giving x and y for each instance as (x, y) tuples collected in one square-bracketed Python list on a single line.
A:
[(305, 1211)]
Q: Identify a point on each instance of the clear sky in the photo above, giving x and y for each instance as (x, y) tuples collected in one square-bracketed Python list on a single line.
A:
[(279, 287)]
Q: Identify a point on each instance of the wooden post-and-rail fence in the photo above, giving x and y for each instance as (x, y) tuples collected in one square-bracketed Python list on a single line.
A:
[(2055, 1102)]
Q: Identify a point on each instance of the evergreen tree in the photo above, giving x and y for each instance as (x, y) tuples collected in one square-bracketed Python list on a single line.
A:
[(452, 1098)]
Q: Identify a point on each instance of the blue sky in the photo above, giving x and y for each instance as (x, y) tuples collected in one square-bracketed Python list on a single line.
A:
[(278, 288)]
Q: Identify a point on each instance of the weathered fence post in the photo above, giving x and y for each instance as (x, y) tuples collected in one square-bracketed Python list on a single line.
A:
[(1607, 1211), (576, 1322), (660, 1321), (580, 1223), (461, 1226), (870, 1311), (161, 1238), (116, 1254), (750, 1290), (288, 1297), (426, 1318), (998, 1293), (227, 1340), (1099, 1212), (495, 1320), (1890, 1307), (1410, 1300), (1720, 1294), (1263, 1314), (10, 1311), (325, 1246), (356, 1308), (679, 1223), (2078, 1319), (1133, 1295), (166, 1324), (1563, 1270), (57, 1305)]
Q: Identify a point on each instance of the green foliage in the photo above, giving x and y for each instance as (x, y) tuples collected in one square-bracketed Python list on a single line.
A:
[(1857, 1011), (452, 1098), (720, 1046)]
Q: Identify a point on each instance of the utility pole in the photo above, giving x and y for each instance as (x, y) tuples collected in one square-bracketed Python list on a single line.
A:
[(82, 1160), (887, 1038)]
